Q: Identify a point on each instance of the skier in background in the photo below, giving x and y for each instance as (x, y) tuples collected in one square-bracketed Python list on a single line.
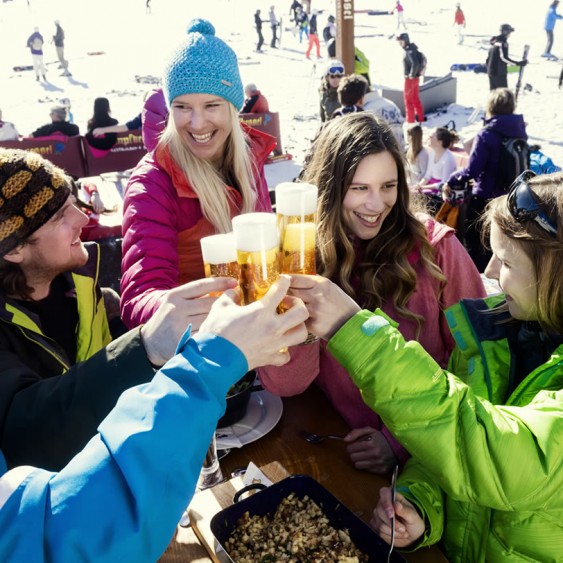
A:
[(459, 23), (35, 44), (498, 59), (550, 20)]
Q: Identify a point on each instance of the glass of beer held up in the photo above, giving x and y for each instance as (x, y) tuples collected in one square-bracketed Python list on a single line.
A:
[(219, 254), (257, 245), (296, 206)]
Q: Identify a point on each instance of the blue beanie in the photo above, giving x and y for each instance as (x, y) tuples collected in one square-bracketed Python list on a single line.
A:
[(203, 64)]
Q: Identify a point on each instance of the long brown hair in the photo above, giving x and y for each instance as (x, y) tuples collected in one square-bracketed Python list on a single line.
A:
[(385, 272)]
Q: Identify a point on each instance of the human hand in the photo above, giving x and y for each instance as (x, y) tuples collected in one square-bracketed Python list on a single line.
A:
[(447, 192), (257, 330), (188, 304), (523, 62), (409, 526), (96, 202), (329, 307), (370, 451), (98, 132)]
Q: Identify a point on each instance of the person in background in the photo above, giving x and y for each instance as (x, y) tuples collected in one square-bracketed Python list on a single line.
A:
[(361, 64), (138, 445), (8, 131), (35, 45), (255, 101), (328, 90), (417, 155), (59, 41), (550, 20), (258, 24), (441, 163), (413, 69), (400, 16), (68, 106), (484, 481), (59, 124), (60, 373), (302, 23), (274, 24), (329, 37), (498, 59), (459, 23), (382, 250), (389, 111), (482, 170), (293, 9), (351, 92), (313, 36), (206, 168), (101, 118)]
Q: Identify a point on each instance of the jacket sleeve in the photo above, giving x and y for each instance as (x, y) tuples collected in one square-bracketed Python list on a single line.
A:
[(150, 244), (295, 376), (153, 116), (468, 446), (478, 158), (139, 464), (46, 421)]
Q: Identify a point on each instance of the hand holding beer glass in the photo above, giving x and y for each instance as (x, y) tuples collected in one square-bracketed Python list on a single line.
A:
[(296, 207), (256, 236)]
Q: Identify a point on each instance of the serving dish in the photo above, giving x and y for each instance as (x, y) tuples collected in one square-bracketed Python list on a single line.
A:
[(340, 517)]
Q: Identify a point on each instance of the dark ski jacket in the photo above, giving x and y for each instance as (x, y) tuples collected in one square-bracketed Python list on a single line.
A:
[(497, 58), (485, 154), (412, 61)]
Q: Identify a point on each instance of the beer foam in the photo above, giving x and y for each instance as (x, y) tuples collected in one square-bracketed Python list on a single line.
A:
[(219, 249), (255, 232), (296, 198), (299, 236)]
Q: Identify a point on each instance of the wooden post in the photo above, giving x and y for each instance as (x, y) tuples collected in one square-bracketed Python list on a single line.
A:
[(345, 33)]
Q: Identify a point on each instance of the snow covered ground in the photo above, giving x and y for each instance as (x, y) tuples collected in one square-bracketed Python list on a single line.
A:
[(134, 45)]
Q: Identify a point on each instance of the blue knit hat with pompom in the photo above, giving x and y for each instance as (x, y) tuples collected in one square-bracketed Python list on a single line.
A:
[(203, 64)]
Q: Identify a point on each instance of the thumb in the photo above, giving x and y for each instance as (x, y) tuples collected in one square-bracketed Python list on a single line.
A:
[(276, 293)]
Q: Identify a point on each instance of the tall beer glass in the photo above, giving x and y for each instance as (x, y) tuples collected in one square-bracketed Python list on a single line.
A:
[(296, 207), (257, 245), (220, 256)]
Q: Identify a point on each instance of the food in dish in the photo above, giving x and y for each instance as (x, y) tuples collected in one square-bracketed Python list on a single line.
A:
[(299, 531)]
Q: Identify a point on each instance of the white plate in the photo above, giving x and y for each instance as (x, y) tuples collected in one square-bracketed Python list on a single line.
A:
[(263, 413)]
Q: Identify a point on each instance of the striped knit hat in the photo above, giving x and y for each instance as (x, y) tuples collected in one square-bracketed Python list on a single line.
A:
[(203, 64), (32, 190)]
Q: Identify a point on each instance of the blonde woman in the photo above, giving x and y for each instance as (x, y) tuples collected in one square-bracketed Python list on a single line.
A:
[(206, 168)]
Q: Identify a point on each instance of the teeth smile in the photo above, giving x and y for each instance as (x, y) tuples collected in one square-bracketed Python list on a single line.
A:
[(368, 218), (202, 138)]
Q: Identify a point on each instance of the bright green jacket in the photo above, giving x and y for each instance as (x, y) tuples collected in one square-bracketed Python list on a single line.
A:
[(487, 469)]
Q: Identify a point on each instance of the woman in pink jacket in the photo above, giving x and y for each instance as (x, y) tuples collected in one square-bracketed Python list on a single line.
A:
[(205, 169), (373, 244)]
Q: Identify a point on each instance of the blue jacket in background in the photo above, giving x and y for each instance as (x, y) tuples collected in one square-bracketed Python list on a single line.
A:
[(485, 154), (121, 497), (551, 18)]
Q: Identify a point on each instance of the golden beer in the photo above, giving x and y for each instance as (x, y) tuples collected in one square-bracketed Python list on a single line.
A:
[(257, 246), (296, 205), (219, 255)]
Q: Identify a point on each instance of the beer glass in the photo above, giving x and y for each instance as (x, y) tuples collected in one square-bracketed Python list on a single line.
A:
[(256, 236), (296, 206), (219, 254)]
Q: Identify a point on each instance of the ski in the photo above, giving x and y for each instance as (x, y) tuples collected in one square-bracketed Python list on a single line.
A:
[(521, 72)]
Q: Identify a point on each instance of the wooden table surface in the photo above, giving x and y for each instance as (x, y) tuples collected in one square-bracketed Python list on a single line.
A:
[(328, 463)]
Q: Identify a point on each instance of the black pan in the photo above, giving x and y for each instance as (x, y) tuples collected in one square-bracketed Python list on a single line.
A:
[(238, 403), (340, 517)]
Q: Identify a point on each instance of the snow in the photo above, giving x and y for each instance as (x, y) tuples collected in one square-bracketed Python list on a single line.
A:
[(135, 44)]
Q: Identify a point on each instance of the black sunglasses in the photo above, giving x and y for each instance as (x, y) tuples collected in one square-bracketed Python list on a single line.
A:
[(524, 204)]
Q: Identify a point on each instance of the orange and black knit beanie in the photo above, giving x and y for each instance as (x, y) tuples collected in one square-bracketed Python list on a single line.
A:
[(32, 190)]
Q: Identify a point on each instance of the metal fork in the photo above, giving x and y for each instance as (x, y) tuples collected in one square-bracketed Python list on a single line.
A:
[(318, 439), (393, 496)]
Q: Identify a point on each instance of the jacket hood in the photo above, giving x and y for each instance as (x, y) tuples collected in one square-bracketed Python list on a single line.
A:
[(511, 125)]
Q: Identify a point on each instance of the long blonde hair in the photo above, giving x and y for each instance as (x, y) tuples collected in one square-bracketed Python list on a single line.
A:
[(385, 273), (208, 182)]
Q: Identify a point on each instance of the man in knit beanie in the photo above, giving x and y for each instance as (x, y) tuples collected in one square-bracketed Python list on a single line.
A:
[(56, 382)]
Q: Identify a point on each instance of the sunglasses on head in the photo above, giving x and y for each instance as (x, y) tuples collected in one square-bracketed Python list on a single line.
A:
[(336, 70), (524, 205)]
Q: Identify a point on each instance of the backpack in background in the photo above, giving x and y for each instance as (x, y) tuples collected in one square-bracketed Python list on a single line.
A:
[(514, 158)]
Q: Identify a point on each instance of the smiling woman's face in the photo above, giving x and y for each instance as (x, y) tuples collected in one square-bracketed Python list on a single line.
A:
[(204, 123), (515, 274), (371, 195)]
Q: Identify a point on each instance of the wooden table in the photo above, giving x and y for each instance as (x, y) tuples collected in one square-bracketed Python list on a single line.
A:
[(328, 463)]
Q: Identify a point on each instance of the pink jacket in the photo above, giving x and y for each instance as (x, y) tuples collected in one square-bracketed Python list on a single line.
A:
[(154, 116), (312, 362), (163, 224)]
